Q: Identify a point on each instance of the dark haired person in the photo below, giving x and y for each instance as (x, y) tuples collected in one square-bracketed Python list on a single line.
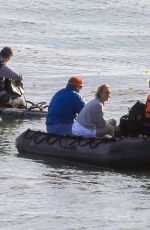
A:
[(63, 108), (90, 121), (8, 98)]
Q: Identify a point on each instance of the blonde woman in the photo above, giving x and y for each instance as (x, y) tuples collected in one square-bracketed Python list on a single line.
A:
[(90, 121)]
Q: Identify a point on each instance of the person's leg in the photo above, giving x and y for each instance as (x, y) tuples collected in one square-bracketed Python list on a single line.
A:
[(60, 129), (79, 130), (100, 132)]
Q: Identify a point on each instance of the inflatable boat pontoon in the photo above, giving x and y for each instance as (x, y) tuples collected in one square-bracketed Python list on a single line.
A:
[(21, 113), (122, 153)]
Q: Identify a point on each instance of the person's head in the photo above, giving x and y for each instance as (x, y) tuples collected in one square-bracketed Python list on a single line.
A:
[(76, 82), (6, 53), (103, 92)]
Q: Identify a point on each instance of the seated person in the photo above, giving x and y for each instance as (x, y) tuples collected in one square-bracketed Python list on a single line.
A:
[(64, 107), (147, 110), (144, 125), (90, 121), (8, 98)]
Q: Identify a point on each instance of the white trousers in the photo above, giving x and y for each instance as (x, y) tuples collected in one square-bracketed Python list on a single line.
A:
[(79, 130)]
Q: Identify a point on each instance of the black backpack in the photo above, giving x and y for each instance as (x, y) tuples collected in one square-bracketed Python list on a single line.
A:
[(130, 124), (137, 111)]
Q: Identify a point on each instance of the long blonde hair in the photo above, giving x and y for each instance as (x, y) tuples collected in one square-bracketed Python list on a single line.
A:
[(100, 90)]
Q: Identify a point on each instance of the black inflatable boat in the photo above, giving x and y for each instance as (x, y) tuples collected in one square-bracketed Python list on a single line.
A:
[(121, 153)]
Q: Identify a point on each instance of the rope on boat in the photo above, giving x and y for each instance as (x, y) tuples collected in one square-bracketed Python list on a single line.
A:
[(40, 105), (61, 143), (49, 141), (39, 137), (93, 145), (29, 134)]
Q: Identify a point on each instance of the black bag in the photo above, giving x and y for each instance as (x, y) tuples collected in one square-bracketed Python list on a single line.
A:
[(137, 111), (130, 124), (124, 125), (14, 87)]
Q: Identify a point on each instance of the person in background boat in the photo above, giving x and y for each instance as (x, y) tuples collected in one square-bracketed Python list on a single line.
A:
[(8, 99), (64, 107), (90, 121), (147, 109)]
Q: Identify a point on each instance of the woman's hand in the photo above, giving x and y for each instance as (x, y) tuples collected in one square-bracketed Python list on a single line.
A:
[(112, 122)]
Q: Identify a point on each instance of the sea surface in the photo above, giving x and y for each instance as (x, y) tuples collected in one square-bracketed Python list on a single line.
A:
[(103, 42)]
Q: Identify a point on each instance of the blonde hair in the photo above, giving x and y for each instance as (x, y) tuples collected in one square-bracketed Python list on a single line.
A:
[(100, 90)]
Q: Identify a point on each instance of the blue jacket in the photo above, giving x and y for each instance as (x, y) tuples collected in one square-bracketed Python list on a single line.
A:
[(64, 106)]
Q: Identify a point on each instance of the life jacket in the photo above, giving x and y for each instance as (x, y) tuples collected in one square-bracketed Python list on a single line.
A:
[(147, 110)]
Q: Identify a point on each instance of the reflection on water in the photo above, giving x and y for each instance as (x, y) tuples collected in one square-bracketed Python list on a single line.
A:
[(11, 128), (37, 191), (7, 134), (65, 164)]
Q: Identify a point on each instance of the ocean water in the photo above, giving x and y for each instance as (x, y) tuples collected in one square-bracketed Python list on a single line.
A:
[(103, 42)]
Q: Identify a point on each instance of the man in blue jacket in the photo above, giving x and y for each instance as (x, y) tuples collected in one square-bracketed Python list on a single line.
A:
[(64, 107)]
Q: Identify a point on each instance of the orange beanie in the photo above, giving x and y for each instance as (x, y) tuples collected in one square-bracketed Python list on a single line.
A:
[(75, 81)]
